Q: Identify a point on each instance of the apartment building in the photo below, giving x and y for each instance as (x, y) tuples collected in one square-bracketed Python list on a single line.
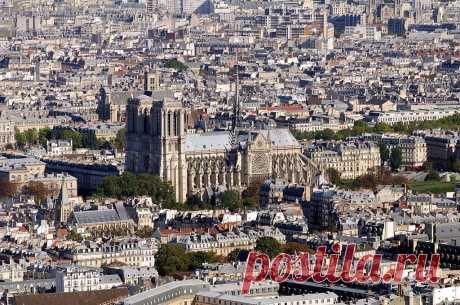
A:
[(131, 252), (351, 159), (75, 278)]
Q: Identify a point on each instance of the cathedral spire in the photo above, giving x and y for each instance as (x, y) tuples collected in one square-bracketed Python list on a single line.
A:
[(63, 197), (236, 101), (236, 108)]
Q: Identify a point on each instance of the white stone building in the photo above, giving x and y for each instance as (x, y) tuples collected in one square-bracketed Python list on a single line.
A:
[(75, 278), (351, 160)]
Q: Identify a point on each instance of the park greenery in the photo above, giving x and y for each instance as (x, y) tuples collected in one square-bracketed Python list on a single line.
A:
[(271, 247), (34, 189), (174, 63), (131, 185), (371, 180), (32, 137), (448, 123), (431, 187), (172, 260), (396, 158), (432, 183)]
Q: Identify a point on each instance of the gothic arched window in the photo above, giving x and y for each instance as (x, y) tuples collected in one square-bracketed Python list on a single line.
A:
[(169, 124), (146, 122), (175, 123)]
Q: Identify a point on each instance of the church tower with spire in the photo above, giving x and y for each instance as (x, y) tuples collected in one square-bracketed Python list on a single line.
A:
[(63, 205)]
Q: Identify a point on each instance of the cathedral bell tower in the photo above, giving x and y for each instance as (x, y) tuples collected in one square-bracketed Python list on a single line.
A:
[(167, 150)]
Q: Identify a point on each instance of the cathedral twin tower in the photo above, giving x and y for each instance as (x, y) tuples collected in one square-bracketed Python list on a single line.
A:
[(155, 138)]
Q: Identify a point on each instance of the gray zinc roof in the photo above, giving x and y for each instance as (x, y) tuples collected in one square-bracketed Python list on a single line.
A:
[(97, 216)]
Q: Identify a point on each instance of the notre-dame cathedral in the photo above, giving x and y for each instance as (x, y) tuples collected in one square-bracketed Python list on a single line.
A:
[(159, 142)]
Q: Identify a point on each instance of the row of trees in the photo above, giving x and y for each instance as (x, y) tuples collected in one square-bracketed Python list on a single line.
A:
[(79, 140), (34, 189), (360, 127), (394, 157), (129, 185), (174, 63), (269, 246), (172, 259), (33, 137), (379, 176)]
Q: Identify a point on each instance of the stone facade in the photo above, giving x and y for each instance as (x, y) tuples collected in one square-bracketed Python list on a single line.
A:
[(6, 132), (414, 151), (350, 159), (133, 252), (224, 243), (158, 142)]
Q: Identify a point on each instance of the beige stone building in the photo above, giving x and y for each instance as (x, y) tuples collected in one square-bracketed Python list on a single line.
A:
[(350, 159), (6, 132), (413, 149), (129, 252), (158, 142), (224, 243), (20, 170)]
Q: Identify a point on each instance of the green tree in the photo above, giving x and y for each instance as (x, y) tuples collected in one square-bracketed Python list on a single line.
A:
[(44, 135), (433, 175), (129, 185), (194, 202), (144, 232), (326, 134), (236, 255), (384, 154), (456, 166), (250, 203), (360, 127), (175, 64), (400, 127), (231, 200), (294, 247), (21, 139), (75, 236), (382, 128), (120, 140), (334, 175), (89, 140), (196, 259), (31, 136), (396, 158), (170, 259), (75, 136), (269, 246)]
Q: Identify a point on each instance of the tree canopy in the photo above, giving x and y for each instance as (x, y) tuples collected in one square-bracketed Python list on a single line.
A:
[(384, 154), (238, 255), (396, 158), (8, 189), (448, 123), (269, 246), (175, 64), (129, 185), (334, 175), (120, 141), (231, 200), (37, 189), (171, 259)]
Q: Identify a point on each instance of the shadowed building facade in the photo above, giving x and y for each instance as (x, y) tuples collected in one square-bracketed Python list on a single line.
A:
[(158, 142)]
